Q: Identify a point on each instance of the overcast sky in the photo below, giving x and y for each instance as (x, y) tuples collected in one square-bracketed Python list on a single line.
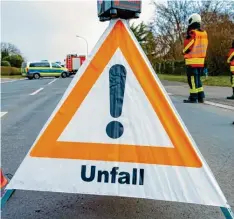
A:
[(47, 29)]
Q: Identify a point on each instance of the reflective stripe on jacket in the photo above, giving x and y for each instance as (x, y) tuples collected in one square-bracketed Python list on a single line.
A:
[(232, 67), (231, 59)]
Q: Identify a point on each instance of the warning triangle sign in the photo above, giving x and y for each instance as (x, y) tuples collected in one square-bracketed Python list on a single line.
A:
[(49, 145), (116, 115)]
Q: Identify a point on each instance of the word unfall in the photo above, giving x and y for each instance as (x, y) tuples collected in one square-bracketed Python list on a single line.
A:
[(136, 177)]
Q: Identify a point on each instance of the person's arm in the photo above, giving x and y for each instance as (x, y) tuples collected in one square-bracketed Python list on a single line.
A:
[(189, 42)]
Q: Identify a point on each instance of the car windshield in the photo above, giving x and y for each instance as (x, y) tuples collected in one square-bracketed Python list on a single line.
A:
[(55, 65)]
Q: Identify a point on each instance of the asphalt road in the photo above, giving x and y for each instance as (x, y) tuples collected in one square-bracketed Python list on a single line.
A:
[(29, 104)]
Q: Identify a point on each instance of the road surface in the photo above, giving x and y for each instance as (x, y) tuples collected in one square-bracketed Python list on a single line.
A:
[(25, 107)]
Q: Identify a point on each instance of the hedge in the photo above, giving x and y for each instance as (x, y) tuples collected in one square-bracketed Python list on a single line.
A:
[(178, 68), (8, 71), (14, 60), (170, 67)]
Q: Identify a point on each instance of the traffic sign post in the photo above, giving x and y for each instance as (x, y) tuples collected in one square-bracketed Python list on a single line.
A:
[(227, 212), (5, 193)]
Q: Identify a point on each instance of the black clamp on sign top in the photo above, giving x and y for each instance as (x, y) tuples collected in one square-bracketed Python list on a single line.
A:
[(125, 9)]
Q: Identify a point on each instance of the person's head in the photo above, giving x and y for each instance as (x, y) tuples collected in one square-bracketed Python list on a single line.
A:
[(194, 21)]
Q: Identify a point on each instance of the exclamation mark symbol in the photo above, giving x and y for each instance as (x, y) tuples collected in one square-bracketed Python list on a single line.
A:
[(117, 80)]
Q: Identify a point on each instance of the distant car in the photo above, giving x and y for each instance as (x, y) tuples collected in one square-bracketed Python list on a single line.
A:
[(43, 69)]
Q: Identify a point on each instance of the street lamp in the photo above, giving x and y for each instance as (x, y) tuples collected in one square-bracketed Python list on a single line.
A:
[(87, 49)]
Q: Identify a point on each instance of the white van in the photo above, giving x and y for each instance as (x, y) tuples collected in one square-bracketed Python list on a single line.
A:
[(43, 69)]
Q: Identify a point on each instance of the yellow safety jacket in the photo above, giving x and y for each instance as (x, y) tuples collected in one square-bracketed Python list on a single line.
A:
[(195, 48)]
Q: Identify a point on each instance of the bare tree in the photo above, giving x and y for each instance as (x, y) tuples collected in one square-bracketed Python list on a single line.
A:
[(170, 25), (220, 34), (9, 49)]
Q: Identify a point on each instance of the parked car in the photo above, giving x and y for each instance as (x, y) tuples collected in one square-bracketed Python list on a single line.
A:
[(43, 69)]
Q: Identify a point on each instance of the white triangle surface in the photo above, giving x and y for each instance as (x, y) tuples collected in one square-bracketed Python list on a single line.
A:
[(138, 117)]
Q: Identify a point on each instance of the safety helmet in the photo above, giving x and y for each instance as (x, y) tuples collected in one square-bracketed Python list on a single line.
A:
[(194, 18)]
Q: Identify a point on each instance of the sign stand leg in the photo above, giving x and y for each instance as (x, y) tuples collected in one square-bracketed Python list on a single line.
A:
[(7, 194), (227, 212)]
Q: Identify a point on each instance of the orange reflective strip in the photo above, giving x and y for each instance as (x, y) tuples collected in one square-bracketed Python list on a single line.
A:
[(182, 154)]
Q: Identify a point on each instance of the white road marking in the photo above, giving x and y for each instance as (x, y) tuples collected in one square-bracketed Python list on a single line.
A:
[(52, 81), (37, 91), (214, 104), (219, 105), (12, 81), (6, 81), (2, 114)]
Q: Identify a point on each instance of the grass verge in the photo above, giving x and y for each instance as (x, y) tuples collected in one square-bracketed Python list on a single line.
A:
[(223, 81)]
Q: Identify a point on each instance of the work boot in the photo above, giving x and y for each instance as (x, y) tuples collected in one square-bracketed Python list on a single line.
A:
[(231, 97), (201, 100), (190, 101)]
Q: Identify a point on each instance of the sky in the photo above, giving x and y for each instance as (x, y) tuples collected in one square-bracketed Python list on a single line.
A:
[(48, 29)]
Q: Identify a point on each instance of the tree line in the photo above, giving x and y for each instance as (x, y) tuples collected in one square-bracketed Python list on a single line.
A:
[(162, 38), (10, 55)]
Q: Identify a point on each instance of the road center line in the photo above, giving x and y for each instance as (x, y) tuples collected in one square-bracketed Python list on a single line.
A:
[(37, 91), (52, 81), (2, 114)]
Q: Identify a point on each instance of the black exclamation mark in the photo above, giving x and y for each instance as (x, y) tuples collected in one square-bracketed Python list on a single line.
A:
[(117, 79)]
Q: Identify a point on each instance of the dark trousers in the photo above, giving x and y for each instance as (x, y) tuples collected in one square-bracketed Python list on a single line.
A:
[(195, 84), (232, 81)]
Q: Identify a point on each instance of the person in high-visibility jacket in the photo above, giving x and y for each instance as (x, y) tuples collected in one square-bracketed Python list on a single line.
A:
[(230, 60), (195, 49)]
